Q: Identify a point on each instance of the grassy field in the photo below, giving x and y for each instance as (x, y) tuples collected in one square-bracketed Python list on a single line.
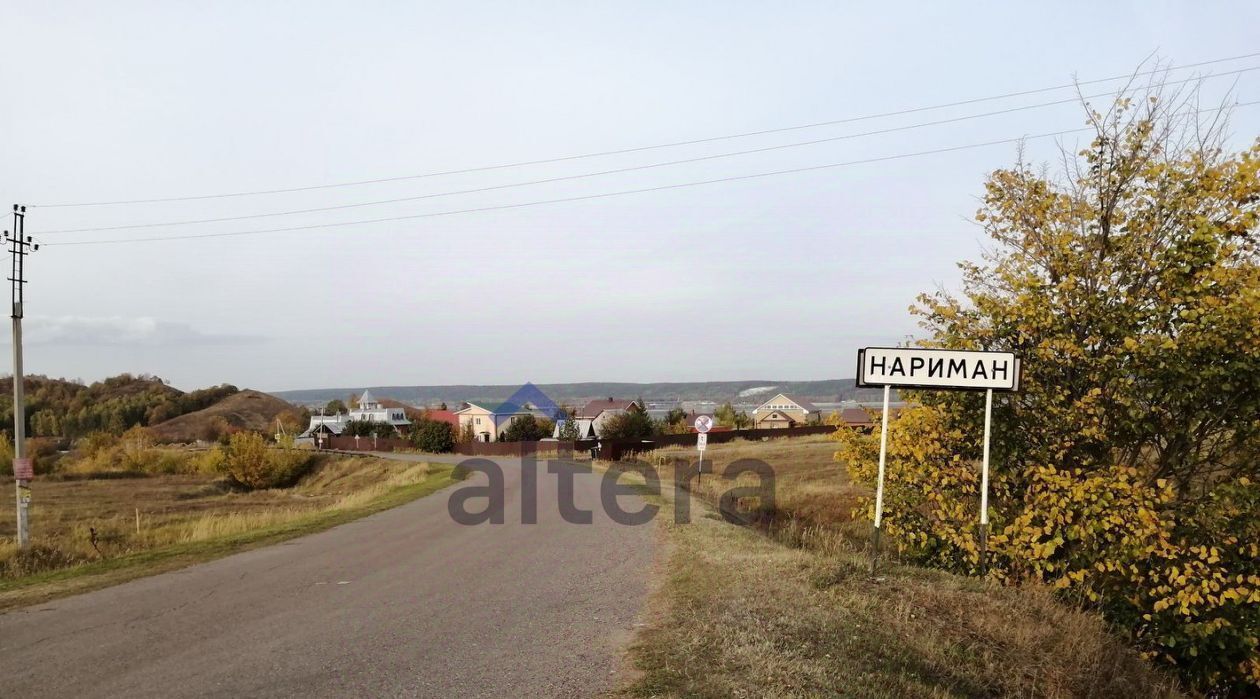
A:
[(151, 524), (790, 609)]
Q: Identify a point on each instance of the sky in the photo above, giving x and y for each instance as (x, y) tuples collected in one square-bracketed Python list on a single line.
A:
[(778, 277)]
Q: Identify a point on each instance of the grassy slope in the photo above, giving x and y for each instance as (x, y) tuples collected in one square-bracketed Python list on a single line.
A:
[(359, 493), (741, 613), (247, 410)]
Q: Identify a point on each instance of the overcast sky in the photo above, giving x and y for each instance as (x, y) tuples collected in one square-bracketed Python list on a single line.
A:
[(770, 278)]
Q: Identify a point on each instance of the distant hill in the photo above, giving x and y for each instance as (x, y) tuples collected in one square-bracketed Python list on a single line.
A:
[(65, 410), (751, 391), (246, 410)]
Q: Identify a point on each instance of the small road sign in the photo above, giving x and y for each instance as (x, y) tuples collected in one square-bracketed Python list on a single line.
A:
[(702, 441), (23, 469), (704, 423)]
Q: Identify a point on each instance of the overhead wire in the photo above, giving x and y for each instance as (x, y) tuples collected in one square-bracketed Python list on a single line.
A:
[(602, 195), (613, 171), (622, 151)]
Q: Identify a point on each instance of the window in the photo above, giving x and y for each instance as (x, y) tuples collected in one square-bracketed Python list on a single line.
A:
[(478, 421)]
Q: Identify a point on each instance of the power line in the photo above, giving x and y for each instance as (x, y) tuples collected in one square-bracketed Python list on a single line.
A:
[(601, 173), (674, 144), (602, 195)]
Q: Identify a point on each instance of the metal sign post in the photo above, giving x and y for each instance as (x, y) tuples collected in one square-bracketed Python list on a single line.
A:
[(984, 484), (954, 370), (879, 488), (704, 423)]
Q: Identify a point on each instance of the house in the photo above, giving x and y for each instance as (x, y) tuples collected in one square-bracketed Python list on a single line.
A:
[(592, 417), (487, 423), (859, 418), (369, 409), (785, 411), (856, 417)]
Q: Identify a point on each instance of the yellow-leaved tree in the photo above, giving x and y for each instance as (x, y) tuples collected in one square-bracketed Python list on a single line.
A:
[(1126, 472)]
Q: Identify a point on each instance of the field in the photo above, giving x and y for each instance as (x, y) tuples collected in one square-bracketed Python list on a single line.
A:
[(788, 608), (97, 531)]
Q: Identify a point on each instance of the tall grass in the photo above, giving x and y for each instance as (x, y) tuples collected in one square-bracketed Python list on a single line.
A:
[(99, 521)]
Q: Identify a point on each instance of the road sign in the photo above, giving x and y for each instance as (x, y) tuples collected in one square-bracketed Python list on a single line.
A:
[(913, 367), (704, 423), (702, 441), (23, 469), (956, 370), (24, 495)]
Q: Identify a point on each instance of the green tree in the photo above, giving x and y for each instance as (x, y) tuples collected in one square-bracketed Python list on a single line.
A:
[(335, 407), (1125, 469), (527, 428), (631, 425), (568, 429), (728, 416), (433, 436), (359, 428)]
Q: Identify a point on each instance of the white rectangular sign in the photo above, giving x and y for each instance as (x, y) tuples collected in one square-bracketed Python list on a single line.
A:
[(702, 440), (932, 368)]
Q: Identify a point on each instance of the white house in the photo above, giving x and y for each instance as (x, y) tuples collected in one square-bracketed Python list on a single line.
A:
[(368, 410)]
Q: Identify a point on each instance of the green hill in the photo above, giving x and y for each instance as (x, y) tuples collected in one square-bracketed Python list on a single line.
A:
[(65, 410)]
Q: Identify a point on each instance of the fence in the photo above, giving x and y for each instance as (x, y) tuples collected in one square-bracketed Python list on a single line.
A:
[(557, 449), (609, 450), (348, 443), (729, 435)]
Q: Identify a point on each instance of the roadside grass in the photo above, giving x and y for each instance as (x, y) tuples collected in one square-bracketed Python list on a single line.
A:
[(789, 608), (186, 519)]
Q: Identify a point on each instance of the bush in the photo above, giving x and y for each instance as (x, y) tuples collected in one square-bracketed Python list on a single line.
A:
[(1124, 471), (433, 436), (527, 428), (633, 425), (250, 463)]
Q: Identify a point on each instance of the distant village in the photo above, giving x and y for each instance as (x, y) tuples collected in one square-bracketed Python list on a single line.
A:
[(485, 422)]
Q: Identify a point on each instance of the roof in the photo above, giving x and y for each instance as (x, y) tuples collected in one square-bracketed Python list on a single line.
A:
[(595, 407), (442, 416), (805, 405), (513, 410), (335, 428), (808, 406), (367, 397), (855, 416)]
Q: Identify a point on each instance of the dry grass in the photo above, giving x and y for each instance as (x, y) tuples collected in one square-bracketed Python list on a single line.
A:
[(170, 520), (796, 613)]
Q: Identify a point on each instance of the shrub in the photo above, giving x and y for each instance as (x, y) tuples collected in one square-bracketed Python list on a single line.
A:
[(527, 428), (1124, 471), (630, 425), (433, 436), (250, 463)]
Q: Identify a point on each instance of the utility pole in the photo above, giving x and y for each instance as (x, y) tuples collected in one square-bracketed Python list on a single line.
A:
[(23, 469)]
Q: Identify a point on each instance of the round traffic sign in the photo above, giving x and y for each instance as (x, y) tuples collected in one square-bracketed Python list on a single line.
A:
[(703, 424)]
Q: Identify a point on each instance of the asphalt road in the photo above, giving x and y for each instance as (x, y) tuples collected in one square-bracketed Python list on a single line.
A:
[(402, 603)]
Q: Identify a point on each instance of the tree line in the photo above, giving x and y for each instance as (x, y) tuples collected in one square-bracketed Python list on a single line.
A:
[(64, 410)]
